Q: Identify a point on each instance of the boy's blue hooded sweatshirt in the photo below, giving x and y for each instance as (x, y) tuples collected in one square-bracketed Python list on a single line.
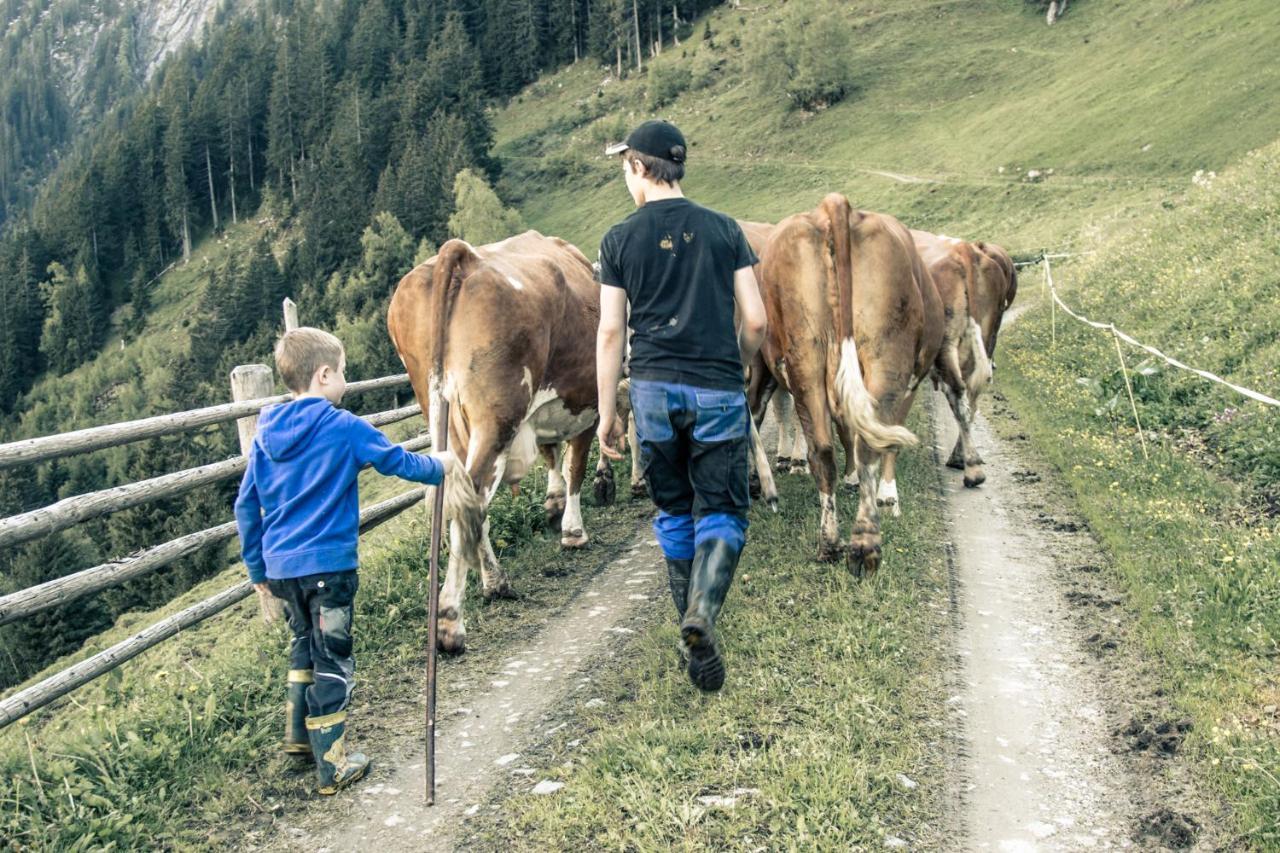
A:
[(298, 510)]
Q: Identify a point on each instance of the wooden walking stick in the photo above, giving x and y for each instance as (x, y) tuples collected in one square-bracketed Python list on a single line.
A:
[(433, 603)]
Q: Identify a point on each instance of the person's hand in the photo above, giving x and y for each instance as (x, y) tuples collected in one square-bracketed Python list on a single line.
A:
[(449, 460), (262, 588), (610, 435)]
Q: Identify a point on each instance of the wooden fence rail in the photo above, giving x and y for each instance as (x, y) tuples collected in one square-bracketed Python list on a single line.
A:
[(42, 693), (69, 512), (63, 590), (112, 435)]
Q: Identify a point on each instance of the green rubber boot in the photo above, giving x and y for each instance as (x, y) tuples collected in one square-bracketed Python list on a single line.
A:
[(296, 741), (714, 563), (337, 769), (678, 572)]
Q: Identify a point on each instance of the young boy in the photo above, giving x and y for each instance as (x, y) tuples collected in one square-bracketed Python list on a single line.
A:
[(684, 269), (298, 514)]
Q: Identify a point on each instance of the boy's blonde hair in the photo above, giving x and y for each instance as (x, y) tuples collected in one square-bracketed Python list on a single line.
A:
[(303, 351)]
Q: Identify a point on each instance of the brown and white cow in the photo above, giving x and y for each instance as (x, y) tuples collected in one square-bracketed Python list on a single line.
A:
[(852, 332), (976, 282), (506, 334)]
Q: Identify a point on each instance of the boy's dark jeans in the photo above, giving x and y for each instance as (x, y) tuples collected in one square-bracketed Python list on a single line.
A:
[(320, 610)]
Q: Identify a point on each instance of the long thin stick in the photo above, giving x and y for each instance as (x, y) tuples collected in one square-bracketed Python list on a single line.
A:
[(1124, 371), (433, 603)]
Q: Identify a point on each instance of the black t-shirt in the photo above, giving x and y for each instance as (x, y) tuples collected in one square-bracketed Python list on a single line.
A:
[(676, 260)]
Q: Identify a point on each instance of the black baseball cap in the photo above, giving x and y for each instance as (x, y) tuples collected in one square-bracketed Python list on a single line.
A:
[(655, 138)]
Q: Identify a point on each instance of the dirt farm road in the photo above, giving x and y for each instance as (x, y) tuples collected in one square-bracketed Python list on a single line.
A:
[(1035, 708)]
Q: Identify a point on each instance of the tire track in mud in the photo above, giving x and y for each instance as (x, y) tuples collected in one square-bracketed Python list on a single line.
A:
[(1038, 769)]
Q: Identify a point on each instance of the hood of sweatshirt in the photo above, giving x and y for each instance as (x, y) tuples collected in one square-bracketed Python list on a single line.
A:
[(284, 431)]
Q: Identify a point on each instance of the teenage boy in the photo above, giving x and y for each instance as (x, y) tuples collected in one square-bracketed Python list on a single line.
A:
[(683, 269), (298, 515)]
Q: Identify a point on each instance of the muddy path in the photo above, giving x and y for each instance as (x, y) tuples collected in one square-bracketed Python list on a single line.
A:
[(1053, 707), (486, 721)]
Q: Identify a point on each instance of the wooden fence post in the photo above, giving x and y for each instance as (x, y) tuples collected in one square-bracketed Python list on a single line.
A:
[(251, 382), (290, 315)]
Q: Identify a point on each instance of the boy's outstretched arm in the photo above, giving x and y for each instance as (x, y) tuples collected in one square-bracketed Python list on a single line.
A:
[(371, 447), (609, 341), (249, 525)]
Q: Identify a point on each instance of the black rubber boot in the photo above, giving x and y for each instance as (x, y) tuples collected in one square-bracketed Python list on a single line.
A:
[(714, 563), (337, 769), (678, 572), (296, 741)]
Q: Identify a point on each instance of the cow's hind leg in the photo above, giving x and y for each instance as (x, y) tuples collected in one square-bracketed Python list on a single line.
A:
[(971, 464), (815, 419), (850, 456), (554, 504), (864, 544), (573, 532)]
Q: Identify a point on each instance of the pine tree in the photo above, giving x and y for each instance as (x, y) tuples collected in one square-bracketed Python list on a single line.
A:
[(70, 334), (479, 216)]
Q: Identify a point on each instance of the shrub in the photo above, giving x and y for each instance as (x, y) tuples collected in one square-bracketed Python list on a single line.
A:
[(807, 59), (666, 82)]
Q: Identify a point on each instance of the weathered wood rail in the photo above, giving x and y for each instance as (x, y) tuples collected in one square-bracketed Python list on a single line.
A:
[(47, 447), (38, 695), (253, 381)]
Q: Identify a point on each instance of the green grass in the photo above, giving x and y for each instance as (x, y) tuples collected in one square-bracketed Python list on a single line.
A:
[(1124, 101), (834, 693), (1192, 530), (177, 749)]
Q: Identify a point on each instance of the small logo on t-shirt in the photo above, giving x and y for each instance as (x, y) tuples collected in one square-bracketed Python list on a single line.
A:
[(666, 243), (688, 236)]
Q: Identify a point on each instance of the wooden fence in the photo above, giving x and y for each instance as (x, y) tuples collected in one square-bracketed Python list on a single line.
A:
[(251, 391)]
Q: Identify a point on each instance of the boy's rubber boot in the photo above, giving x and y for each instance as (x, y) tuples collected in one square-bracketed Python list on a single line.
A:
[(714, 562), (336, 768), (296, 741), (678, 572)]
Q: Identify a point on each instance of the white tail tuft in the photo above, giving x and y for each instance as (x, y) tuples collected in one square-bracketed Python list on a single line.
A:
[(982, 372), (858, 406)]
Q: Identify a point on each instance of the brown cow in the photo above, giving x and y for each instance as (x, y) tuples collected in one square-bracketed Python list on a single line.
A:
[(852, 331), (506, 334), (977, 282)]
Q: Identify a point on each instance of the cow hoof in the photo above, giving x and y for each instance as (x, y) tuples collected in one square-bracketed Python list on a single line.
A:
[(555, 511), (451, 638), (800, 468), (850, 486), (973, 477), (956, 462), (892, 506), (574, 539), (863, 561), (781, 465), (772, 503), (829, 552), (753, 487), (639, 489), (500, 589), (606, 491)]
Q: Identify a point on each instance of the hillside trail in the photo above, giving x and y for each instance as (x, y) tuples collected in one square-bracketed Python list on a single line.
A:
[(1037, 769), (484, 729)]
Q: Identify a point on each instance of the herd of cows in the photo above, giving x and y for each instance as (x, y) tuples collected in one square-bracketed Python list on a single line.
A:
[(861, 311)]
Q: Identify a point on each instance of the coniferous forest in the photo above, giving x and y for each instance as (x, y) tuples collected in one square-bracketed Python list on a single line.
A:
[(338, 126)]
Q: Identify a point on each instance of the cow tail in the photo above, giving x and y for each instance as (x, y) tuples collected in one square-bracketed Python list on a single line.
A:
[(857, 406), (982, 371), (454, 262)]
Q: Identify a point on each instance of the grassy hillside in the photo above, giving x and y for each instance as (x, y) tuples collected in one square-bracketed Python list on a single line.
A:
[(954, 104), (1124, 101), (1194, 529)]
